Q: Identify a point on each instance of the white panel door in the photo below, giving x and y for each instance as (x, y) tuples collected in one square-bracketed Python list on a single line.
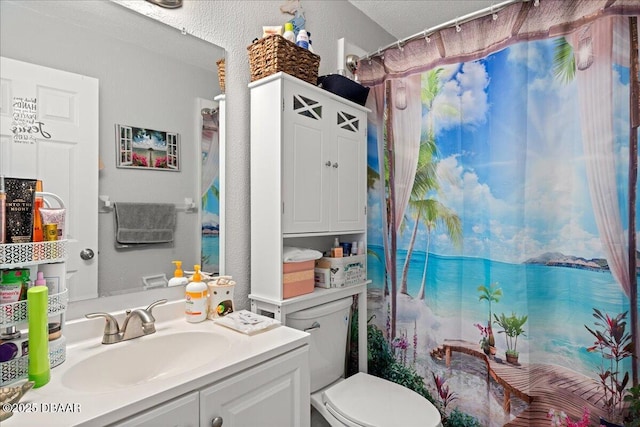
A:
[(349, 203), (307, 161), (63, 153)]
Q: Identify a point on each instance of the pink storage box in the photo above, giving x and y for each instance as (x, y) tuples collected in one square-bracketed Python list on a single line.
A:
[(297, 278)]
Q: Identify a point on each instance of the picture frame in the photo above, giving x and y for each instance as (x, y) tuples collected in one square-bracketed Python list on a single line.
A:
[(143, 148)]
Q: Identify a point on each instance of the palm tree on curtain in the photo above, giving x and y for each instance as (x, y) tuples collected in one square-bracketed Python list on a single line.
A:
[(424, 181), (564, 68), (434, 213), (428, 211), (425, 209)]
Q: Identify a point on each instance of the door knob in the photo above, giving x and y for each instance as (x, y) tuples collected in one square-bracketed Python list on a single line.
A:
[(86, 254), (216, 422)]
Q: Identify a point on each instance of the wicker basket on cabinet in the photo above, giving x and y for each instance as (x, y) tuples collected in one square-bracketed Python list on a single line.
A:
[(274, 53)]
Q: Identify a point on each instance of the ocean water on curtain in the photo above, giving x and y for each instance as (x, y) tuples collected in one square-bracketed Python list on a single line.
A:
[(211, 250), (558, 300)]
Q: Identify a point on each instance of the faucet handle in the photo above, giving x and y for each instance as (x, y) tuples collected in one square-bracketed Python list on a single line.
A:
[(155, 303), (111, 326)]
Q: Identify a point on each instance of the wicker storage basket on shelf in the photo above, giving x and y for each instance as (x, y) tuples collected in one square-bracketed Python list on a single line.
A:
[(220, 63), (274, 53)]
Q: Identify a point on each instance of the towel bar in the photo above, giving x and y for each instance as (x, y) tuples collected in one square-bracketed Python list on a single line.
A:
[(106, 205)]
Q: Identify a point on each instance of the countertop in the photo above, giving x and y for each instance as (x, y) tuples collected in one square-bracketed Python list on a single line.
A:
[(54, 404)]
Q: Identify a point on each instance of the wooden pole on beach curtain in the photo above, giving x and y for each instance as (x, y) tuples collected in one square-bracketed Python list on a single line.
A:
[(634, 115)]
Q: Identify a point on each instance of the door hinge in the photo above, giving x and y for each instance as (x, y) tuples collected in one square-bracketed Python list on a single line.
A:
[(283, 104), (282, 208), (365, 210)]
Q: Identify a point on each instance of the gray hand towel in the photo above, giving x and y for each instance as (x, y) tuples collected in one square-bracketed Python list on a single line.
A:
[(138, 223)]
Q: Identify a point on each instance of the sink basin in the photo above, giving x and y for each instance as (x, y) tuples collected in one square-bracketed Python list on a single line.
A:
[(144, 359)]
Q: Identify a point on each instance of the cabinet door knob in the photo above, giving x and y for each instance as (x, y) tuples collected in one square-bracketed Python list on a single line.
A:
[(335, 165), (216, 422), (328, 163)]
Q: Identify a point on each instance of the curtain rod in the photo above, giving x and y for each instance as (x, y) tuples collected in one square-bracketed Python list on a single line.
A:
[(452, 23)]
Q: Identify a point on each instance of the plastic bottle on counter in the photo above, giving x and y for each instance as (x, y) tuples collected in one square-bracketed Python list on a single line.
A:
[(288, 32), (196, 298), (178, 278), (39, 368), (303, 39)]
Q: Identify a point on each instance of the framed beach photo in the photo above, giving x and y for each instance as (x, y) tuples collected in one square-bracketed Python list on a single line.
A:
[(142, 148)]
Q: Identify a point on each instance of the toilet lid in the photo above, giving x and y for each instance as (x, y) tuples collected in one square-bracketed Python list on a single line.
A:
[(365, 400)]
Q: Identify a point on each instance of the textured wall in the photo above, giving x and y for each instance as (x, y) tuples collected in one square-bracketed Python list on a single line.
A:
[(233, 25)]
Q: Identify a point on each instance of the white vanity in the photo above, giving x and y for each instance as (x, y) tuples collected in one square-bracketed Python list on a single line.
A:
[(184, 374)]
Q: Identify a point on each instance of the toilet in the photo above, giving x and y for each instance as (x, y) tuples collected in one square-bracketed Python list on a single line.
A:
[(362, 399)]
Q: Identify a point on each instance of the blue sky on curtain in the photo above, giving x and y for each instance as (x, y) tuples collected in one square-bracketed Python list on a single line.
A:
[(512, 175)]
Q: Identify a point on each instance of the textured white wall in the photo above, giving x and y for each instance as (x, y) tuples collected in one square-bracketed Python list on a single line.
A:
[(233, 25)]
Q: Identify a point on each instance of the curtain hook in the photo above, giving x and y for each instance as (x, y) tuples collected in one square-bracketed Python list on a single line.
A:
[(494, 15), (536, 3), (458, 29), (400, 48)]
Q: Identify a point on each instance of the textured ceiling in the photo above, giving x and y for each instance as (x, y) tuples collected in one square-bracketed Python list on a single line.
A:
[(403, 19)]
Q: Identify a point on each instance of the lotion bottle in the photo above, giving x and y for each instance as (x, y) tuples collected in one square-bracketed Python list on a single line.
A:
[(196, 298), (303, 39), (178, 278), (288, 32)]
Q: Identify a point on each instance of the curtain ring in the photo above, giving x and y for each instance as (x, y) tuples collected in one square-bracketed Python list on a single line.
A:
[(458, 29), (426, 37), (536, 3), (400, 48), (493, 14)]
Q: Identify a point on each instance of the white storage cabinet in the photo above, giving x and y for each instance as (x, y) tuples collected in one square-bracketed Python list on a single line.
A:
[(308, 186)]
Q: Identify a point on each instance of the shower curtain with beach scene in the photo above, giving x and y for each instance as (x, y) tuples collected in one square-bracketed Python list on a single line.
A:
[(210, 150), (502, 215)]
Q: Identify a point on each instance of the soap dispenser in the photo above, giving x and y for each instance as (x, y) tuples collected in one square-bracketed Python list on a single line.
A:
[(178, 278), (196, 298)]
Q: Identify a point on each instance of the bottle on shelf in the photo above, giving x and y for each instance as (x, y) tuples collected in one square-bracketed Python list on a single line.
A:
[(38, 202), (39, 367), (303, 39), (288, 32)]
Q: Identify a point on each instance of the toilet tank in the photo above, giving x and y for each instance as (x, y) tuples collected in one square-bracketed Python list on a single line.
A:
[(328, 325)]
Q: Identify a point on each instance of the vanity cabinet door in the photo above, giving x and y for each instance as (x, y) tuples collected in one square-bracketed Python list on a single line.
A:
[(274, 393), (180, 412)]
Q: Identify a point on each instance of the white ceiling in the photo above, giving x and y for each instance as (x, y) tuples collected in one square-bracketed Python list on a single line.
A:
[(406, 18)]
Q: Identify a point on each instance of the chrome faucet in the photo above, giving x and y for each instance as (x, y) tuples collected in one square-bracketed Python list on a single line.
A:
[(138, 322)]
